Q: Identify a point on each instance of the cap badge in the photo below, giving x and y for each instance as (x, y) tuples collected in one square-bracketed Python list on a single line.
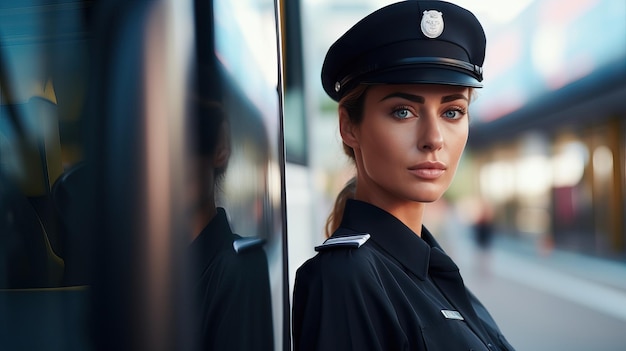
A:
[(432, 23)]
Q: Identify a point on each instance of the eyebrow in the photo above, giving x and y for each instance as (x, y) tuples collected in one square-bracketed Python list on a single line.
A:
[(453, 97), (420, 99), (410, 97)]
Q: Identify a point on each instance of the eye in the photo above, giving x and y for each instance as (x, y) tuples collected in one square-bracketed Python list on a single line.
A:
[(454, 113), (402, 113)]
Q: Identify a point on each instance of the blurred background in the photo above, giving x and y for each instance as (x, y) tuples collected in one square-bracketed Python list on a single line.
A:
[(535, 216), (100, 154)]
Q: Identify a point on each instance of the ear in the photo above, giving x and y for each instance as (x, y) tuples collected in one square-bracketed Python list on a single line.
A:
[(348, 131), (222, 150)]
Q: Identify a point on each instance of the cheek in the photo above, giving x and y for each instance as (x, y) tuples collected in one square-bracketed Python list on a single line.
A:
[(457, 139), (387, 143)]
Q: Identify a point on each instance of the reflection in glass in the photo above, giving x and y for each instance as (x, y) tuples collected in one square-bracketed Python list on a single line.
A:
[(230, 272), (44, 297), (78, 135)]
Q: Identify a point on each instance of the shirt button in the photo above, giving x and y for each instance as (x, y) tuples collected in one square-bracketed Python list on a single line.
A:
[(490, 347)]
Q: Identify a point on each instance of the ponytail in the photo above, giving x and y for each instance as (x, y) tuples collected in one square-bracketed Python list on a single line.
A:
[(334, 218), (353, 102)]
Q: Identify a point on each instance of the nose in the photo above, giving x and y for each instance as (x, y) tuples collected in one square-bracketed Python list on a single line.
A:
[(430, 137)]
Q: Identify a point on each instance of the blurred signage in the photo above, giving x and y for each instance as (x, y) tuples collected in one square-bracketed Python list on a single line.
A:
[(548, 46)]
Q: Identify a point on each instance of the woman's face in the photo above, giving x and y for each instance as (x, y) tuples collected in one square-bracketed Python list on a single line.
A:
[(409, 142)]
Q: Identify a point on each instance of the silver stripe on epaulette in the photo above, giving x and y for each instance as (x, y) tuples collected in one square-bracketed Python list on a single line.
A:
[(452, 314), (354, 241), (244, 244)]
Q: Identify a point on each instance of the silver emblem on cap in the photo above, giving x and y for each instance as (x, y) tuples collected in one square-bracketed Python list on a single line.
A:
[(337, 87), (432, 23)]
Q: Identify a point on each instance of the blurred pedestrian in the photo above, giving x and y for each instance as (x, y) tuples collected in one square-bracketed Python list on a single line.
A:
[(483, 235), (404, 77), (483, 225)]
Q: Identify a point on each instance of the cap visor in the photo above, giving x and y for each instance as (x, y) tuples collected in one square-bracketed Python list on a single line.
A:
[(421, 75)]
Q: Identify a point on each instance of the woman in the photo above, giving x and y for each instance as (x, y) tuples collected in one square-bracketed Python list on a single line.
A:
[(404, 77)]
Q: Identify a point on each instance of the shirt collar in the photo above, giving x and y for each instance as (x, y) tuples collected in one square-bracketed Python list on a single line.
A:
[(214, 237), (390, 234)]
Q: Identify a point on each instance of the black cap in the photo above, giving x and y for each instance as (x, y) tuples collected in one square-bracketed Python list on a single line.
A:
[(412, 41)]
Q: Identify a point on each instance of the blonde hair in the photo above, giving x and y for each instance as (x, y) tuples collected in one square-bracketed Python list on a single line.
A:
[(334, 218), (353, 102)]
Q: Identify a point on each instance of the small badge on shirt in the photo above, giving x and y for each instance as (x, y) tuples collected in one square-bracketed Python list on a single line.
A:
[(452, 314)]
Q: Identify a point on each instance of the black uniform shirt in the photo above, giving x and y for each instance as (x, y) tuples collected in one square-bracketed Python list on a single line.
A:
[(396, 292), (233, 291)]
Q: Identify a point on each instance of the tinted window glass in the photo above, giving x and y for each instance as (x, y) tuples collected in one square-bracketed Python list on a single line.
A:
[(140, 176)]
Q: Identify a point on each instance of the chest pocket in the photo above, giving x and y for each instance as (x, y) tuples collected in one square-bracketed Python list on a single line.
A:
[(451, 334)]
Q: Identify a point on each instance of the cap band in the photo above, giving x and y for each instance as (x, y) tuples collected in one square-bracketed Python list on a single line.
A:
[(473, 70)]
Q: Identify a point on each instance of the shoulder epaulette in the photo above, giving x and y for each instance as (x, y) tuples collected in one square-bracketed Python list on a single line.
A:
[(247, 243), (352, 241)]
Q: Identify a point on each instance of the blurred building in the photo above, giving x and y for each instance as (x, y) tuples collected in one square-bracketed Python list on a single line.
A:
[(547, 145), (547, 138)]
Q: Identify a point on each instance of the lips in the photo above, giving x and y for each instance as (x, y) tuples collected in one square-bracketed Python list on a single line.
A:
[(428, 170)]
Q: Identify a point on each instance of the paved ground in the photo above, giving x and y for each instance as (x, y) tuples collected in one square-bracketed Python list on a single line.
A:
[(562, 301)]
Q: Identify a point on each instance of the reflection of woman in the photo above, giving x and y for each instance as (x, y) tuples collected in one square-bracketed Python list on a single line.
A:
[(232, 280), (403, 77)]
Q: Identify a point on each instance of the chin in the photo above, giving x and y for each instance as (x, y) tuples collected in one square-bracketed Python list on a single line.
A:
[(426, 194), (428, 199)]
